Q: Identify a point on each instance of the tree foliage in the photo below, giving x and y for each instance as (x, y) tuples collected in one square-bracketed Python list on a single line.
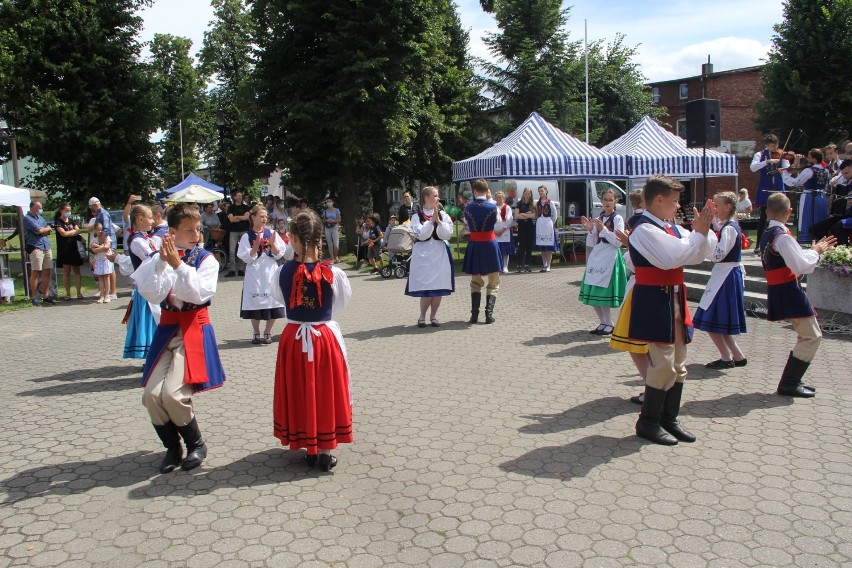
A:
[(184, 108), (76, 95), (806, 76)]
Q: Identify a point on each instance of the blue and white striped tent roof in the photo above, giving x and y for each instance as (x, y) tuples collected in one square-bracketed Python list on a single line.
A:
[(652, 150), (537, 149), (193, 179)]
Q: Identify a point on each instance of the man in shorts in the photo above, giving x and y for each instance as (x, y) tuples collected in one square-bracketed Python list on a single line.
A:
[(36, 231)]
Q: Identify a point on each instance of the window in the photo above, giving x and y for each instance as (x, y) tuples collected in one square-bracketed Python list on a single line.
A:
[(684, 91), (655, 95), (681, 128), (395, 195)]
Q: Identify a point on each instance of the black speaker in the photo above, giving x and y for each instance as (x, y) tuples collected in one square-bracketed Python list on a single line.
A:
[(703, 123)]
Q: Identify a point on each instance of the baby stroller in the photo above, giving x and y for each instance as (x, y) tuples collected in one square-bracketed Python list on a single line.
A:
[(400, 241)]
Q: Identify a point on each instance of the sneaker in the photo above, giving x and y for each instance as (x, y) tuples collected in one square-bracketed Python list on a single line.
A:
[(113, 297), (720, 364)]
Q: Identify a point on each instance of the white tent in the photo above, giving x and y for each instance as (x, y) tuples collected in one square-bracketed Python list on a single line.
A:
[(195, 194), (14, 196)]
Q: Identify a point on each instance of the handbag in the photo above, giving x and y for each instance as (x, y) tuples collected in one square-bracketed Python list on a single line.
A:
[(81, 248)]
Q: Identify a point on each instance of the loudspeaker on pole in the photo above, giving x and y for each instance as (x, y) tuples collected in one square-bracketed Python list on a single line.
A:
[(703, 123)]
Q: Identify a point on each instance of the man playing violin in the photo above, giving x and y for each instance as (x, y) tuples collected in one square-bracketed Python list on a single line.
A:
[(770, 163)]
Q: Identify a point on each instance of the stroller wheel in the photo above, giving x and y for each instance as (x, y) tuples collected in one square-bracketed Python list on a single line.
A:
[(386, 272), (400, 272)]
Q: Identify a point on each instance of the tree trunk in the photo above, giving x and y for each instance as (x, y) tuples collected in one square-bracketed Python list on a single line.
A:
[(380, 203), (348, 206)]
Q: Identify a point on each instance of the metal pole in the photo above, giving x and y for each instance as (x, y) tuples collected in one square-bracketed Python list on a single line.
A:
[(180, 130), (586, 47), (13, 151)]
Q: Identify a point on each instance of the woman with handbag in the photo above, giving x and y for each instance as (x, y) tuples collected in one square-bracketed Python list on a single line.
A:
[(71, 248)]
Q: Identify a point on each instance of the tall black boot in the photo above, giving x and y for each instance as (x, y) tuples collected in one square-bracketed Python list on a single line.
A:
[(475, 300), (489, 308), (791, 379), (196, 449), (671, 408), (168, 433), (648, 425)]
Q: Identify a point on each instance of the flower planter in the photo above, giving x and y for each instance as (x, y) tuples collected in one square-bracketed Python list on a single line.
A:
[(830, 291)]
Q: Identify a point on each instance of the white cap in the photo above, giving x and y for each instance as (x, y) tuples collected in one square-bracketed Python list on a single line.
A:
[(94, 201)]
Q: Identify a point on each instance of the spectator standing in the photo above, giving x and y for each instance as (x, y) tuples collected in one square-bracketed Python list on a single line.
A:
[(406, 209), (238, 215), (68, 249), (525, 216), (36, 231), (331, 224), (209, 220), (279, 212), (102, 216), (743, 203)]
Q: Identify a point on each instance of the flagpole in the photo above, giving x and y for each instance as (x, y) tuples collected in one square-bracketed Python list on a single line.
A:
[(586, 47), (180, 129)]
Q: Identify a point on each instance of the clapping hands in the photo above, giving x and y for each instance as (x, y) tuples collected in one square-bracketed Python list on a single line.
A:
[(169, 253)]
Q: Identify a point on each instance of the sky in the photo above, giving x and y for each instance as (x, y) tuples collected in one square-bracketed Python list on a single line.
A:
[(674, 37)]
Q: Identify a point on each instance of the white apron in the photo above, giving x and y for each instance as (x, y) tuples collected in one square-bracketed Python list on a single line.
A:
[(257, 286), (717, 278), (600, 264), (544, 234)]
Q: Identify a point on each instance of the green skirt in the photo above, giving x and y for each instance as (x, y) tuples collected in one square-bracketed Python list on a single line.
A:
[(613, 295)]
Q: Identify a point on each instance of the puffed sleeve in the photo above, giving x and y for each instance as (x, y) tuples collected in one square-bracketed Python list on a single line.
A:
[(727, 241), (244, 250), (799, 260), (275, 286), (423, 231), (154, 278), (196, 286), (285, 250), (592, 237), (609, 236), (445, 229), (342, 290)]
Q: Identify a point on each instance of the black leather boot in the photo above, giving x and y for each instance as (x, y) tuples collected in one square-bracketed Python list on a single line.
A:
[(791, 379), (671, 408), (196, 449), (171, 440), (489, 308), (475, 300), (648, 425)]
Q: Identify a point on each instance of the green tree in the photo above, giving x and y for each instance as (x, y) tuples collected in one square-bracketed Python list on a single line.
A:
[(806, 75), (184, 108), (347, 94), (80, 101), (227, 57)]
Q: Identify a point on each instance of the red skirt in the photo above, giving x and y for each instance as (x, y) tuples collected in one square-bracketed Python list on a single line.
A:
[(311, 405)]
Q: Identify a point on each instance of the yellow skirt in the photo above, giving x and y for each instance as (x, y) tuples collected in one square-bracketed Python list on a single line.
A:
[(619, 339)]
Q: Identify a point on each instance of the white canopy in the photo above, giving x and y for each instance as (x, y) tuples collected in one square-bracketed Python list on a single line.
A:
[(195, 194), (15, 196)]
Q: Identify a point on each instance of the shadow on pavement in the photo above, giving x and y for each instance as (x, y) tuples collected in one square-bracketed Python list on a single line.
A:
[(699, 371), (78, 477), (412, 329), (562, 338), (107, 372), (245, 343), (585, 350), (580, 416), (734, 405), (84, 381), (576, 459)]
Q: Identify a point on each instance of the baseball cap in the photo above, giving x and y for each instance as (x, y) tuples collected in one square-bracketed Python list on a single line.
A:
[(94, 201)]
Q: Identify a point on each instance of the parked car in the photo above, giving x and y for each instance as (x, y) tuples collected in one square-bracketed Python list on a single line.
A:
[(117, 218)]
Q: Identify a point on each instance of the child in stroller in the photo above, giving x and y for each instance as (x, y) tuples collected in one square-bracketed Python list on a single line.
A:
[(400, 241)]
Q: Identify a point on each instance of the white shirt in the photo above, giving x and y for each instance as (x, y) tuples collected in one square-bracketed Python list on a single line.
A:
[(155, 279), (666, 251), (799, 260), (757, 164), (606, 234), (742, 206), (800, 179)]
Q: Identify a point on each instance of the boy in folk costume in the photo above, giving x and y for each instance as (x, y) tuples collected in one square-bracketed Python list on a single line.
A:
[(784, 261), (658, 312), (482, 256), (183, 359)]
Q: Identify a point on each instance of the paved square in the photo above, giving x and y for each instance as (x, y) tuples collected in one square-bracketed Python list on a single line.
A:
[(502, 445)]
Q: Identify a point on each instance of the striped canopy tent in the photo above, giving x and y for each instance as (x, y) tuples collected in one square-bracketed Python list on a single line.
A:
[(537, 149), (651, 150), (193, 179)]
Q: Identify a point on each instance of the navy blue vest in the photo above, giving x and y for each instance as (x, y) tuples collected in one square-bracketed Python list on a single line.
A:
[(609, 224), (160, 231), (819, 179), (267, 234), (193, 258), (736, 253), (767, 184), (310, 310), (135, 260), (786, 300), (480, 215), (634, 219)]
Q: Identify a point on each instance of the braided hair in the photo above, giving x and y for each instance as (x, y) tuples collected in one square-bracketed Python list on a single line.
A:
[(138, 211), (306, 226)]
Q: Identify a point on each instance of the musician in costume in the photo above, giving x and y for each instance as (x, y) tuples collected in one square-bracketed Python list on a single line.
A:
[(482, 257), (260, 248), (659, 314), (183, 359), (545, 228), (431, 275), (312, 406), (784, 262), (770, 164), (140, 318), (813, 206)]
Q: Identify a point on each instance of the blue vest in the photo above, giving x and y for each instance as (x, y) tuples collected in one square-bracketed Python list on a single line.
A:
[(786, 300), (736, 253), (767, 184), (194, 258), (652, 307), (160, 231), (609, 224), (819, 179), (135, 260), (267, 234), (310, 310), (634, 219), (480, 215)]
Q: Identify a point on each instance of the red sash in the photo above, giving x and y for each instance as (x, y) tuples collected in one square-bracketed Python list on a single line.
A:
[(653, 276), (503, 211), (481, 236), (780, 276), (190, 322)]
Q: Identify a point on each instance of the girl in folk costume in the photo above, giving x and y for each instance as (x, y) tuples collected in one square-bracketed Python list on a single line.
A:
[(260, 248), (605, 279), (524, 213), (545, 228), (311, 404), (140, 319), (721, 312), (431, 276), (503, 229)]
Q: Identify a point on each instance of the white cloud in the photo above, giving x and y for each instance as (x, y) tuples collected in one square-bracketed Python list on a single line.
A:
[(725, 53)]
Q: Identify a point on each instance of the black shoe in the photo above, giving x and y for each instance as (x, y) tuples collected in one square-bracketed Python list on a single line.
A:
[(435, 323), (311, 459), (240, 273), (421, 323), (50, 300), (638, 399), (267, 339), (256, 339), (720, 364), (231, 273), (168, 434), (527, 268), (196, 449), (648, 426), (607, 330), (741, 363), (374, 271), (326, 462), (597, 330)]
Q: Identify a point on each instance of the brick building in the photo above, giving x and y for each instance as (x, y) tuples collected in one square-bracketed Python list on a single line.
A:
[(737, 90)]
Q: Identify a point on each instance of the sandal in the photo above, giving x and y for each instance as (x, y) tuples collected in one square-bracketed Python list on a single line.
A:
[(66, 298), (435, 323), (421, 322), (256, 340)]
